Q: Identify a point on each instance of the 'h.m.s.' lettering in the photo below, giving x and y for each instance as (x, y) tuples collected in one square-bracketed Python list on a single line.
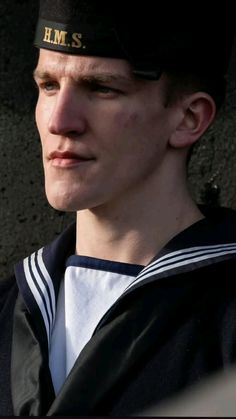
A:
[(62, 38)]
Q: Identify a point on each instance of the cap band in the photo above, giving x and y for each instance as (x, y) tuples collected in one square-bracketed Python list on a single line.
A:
[(78, 38), (59, 36)]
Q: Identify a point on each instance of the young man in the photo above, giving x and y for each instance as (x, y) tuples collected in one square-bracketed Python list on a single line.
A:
[(127, 306)]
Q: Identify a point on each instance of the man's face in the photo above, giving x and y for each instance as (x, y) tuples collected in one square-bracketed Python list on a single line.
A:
[(104, 133)]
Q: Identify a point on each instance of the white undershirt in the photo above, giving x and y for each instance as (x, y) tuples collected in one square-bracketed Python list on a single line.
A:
[(86, 294)]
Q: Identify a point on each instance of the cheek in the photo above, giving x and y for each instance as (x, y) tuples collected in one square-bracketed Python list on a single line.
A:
[(135, 129), (40, 118), (127, 119), (125, 128), (128, 140), (142, 121), (143, 135), (42, 115), (37, 113)]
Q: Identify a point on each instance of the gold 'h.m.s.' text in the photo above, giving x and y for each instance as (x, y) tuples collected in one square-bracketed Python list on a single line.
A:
[(62, 38)]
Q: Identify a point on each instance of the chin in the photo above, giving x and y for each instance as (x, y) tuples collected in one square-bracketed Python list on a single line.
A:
[(72, 199), (61, 199), (64, 207), (61, 203), (67, 203)]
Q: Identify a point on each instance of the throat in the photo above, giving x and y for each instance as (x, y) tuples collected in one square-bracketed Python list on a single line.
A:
[(136, 242)]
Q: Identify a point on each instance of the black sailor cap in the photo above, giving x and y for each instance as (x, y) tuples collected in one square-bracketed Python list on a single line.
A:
[(151, 37)]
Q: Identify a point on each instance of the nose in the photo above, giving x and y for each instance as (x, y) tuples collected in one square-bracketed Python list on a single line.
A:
[(68, 113)]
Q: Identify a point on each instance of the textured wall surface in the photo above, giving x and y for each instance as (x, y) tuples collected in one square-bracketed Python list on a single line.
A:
[(26, 220)]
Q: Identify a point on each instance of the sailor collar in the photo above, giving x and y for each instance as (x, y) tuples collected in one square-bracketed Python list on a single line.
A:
[(208, 241)]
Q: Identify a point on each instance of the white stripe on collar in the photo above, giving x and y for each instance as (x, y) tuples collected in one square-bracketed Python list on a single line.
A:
[(41, 286), (184, 257)]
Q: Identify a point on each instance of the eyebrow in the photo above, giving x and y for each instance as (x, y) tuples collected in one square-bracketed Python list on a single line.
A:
[(89, 78)]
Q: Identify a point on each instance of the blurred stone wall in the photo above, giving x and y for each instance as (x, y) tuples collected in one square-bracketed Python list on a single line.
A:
[(26, 220)]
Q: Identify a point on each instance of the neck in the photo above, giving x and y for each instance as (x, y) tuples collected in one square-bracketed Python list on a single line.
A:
[(135, 231)]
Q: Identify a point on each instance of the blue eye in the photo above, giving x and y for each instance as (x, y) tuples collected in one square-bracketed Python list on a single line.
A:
[(101, 88), (105, 89), (49, 86)]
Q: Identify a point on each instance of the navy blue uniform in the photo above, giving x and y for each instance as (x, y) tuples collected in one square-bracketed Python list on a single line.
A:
[(173, 326)]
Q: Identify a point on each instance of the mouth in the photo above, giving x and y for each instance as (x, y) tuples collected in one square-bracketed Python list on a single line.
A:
[(67, 159)]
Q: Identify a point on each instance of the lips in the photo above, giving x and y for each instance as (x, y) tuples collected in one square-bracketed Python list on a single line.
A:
[(67, 159), (64, 155)]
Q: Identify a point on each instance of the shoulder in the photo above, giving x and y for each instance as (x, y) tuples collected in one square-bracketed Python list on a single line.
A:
[(220, 215), (8, 294)]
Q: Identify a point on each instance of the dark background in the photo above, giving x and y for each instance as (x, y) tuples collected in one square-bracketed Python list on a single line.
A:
[(26, 220)]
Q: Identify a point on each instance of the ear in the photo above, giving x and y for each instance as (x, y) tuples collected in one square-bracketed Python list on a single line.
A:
[(198, 113)]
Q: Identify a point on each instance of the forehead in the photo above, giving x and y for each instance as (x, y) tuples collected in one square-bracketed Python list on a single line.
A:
[(63, 64)]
